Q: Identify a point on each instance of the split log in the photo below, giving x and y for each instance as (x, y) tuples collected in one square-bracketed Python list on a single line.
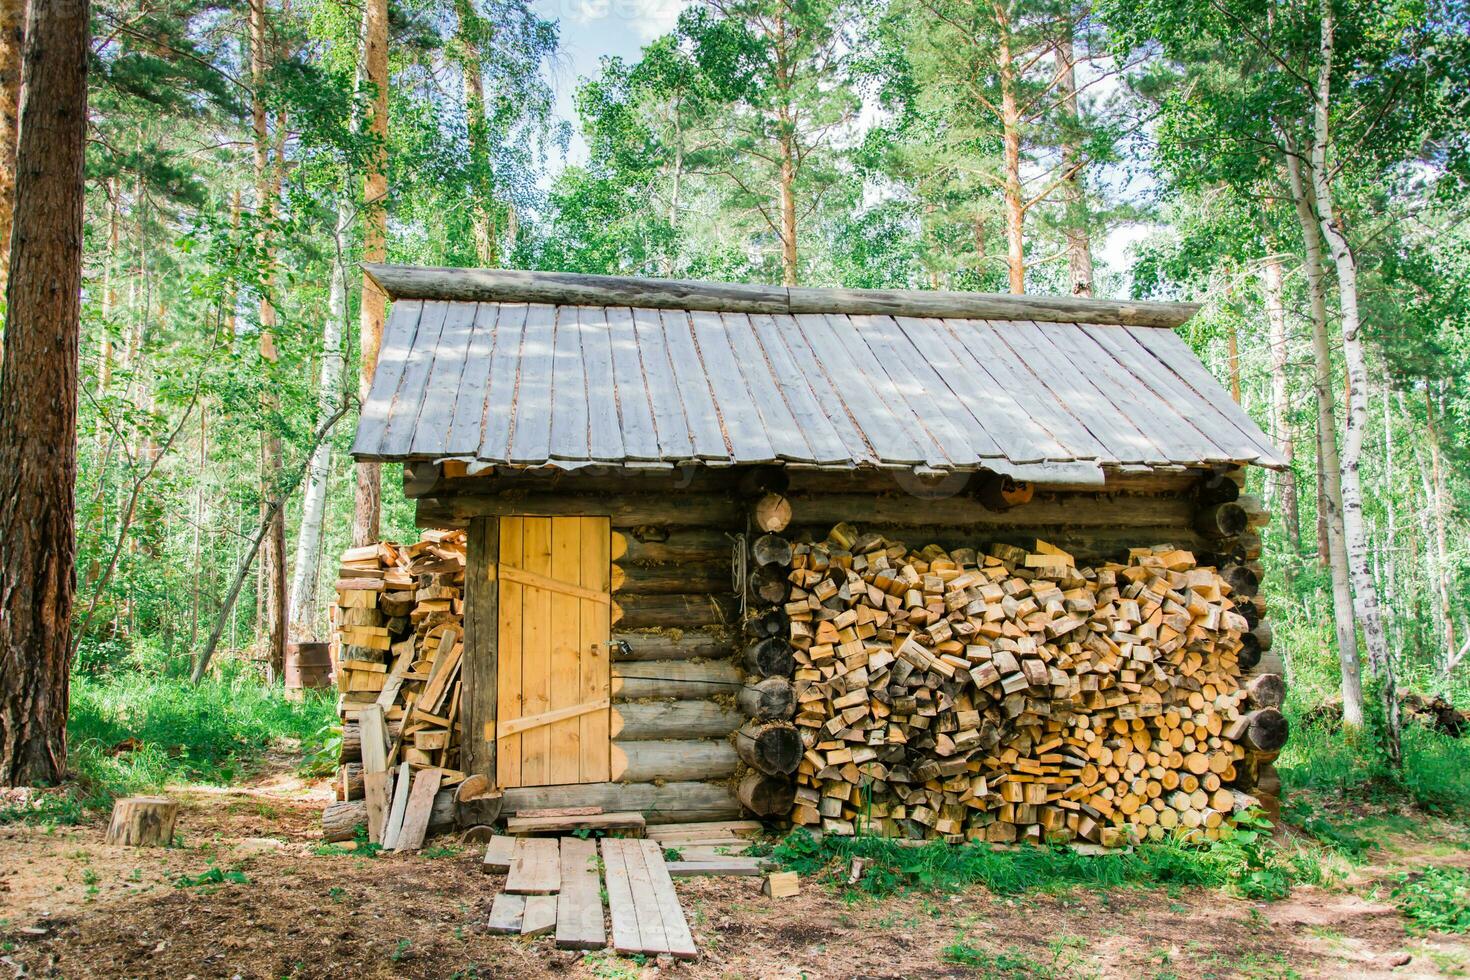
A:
[(773, 697), (771, 657), (143, 821), (774, 748), (766, 796)]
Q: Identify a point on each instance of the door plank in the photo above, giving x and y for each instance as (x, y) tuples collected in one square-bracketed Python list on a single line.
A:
[(565, 736), (509, 632), (596, 627), (535, 653), (516, 725), (551, 583), (535, 867), (579, 904)]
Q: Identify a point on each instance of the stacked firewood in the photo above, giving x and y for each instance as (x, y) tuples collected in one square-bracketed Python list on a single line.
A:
[(1012, 695), (399, 625)]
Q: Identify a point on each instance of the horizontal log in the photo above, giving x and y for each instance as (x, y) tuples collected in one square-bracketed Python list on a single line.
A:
[(674, 760), (642, 610), (576, 289), (709, 576), (1263, 730), (1054, 509), (675, 679), (678, 544), (1223, 520), (624, 510), (631, 646), (668, 802), (771, 657), (1266, 691), (650, 720)]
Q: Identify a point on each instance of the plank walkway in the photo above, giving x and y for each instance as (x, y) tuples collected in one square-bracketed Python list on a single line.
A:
[(554, 885)]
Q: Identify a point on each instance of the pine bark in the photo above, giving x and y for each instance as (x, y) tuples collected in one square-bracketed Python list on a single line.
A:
[(1360, 569), (12, 42), (482, 220), (786, 135), (367, 503), (1010, 119), (1329, 468), (1074, 187), (38, 435)]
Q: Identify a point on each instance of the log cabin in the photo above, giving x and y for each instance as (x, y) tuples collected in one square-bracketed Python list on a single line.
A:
[(647, 472)]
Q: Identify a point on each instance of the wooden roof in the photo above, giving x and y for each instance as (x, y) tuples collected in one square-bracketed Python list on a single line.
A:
[(535, 369)]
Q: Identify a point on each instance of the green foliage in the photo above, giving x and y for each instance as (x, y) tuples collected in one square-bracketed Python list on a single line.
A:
[(212, 876), (1243, 861), (59, 808), (135, 732), (1436, 899)]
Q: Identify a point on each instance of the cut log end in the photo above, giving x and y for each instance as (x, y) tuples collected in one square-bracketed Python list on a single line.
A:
[(766, 796)]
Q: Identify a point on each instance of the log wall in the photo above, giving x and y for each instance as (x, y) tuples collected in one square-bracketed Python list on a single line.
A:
[(682, 675)]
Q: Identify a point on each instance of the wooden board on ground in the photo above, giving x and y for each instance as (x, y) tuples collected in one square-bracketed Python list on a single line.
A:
[(535, 867), (416, 815), (738, 828), (706, 853), (579, 904), (520, 825), (498, 854), (678, 939), (373, 738), (540, 916), (562, 811), (377, 789), (506, 914), (728, 866), (400, 804), (646, 914)]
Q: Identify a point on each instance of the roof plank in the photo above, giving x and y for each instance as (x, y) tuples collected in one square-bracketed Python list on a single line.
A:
[(467, 423), (675, 434), (631, 387), (531, 410), (402, 326), (404, 416)]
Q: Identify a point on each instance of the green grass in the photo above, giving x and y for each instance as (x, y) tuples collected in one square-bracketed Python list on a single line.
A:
[(1244, 862), (132, 732), (1436, 899), (1344, 763)]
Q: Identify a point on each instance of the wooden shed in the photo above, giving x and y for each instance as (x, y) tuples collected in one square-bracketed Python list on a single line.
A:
[(618, 449)]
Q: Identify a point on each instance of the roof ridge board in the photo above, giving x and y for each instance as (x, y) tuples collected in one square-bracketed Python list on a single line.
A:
[(577, 289)]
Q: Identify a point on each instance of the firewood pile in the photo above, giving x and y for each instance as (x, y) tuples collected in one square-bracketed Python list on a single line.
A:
[(398, 627), (1013, 696)]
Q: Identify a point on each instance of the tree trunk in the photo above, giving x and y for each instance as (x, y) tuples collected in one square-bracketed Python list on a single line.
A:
[(1282, 485), (12, 41), (367, 504), (1074, 187), (788, 209), (109, 288), (1329, 471), (304, 613), (1439, 506), (273, 551), (1010, 117), (38, 434), (482, 214), (1365, 590)]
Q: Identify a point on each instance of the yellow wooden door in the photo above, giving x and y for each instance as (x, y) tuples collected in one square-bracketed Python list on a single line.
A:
[(553, 710)]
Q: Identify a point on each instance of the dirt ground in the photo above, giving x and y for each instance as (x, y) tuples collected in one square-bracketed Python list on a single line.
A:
[(72, 907)]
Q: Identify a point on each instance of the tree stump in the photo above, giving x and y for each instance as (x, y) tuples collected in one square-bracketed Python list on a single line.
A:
[(143, 821)]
